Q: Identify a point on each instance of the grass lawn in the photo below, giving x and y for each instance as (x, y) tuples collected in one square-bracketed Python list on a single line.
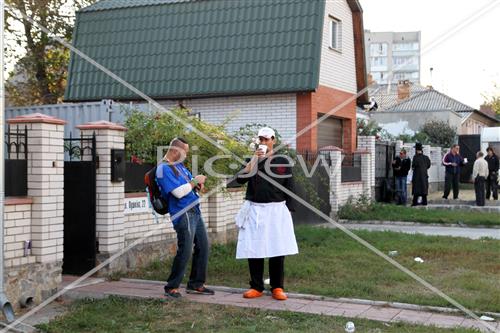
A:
[(385, 212), (117, 315), (331, 264)]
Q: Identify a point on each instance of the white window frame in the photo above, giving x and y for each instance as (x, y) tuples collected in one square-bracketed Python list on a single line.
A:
[(338, 40)]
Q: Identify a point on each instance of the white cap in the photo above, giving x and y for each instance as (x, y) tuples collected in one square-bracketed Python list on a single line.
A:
[(266, 132)]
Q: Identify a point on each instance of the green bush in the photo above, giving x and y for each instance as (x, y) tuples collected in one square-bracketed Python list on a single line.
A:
[(149, 130)]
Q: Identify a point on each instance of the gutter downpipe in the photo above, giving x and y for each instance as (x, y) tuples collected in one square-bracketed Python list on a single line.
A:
[(5, 305)]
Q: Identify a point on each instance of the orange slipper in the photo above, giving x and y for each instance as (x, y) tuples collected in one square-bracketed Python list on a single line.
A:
[(252, 293), (279, 294)]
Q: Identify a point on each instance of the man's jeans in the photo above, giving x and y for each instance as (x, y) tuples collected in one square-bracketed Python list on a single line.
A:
[(190, 229), (401, 189)]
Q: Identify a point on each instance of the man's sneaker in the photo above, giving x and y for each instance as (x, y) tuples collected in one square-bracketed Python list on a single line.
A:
[(200, 291), (279, 294), (173, 293), (252, 293)]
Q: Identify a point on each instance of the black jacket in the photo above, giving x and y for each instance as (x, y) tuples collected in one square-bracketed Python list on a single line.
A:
[(261, 191), (493, 164), (404, 164), (420, 179)]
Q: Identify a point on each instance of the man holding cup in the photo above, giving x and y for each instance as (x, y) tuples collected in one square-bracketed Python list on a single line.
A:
[(264, 221), (452, 162)]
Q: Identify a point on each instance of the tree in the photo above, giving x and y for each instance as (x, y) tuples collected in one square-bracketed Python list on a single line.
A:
[(493, 100), (39, 76), (439, 133)]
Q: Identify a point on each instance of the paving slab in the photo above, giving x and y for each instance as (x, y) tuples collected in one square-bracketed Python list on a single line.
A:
[(382, 313)]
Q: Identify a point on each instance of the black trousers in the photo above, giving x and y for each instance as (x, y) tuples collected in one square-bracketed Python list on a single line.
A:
[(492, 186), (276, 272), (415, 200), (451, 180), (480, 192)]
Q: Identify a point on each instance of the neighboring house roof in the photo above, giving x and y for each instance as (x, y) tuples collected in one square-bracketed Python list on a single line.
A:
[(196, 48), (387, 95), (432, 100)]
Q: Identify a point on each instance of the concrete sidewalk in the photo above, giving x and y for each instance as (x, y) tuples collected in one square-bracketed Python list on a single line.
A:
[(299, 303), (415, 228)]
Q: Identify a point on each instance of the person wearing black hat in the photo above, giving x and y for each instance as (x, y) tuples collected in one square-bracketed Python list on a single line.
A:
[(420, 180)]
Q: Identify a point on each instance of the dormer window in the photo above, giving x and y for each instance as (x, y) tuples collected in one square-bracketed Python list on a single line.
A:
[(335, 34)]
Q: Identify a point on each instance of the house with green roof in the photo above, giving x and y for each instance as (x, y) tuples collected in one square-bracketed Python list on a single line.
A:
[(279, 62)]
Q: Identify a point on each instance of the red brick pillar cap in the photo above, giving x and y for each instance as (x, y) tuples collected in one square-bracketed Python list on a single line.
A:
[(36, 118), (101, 124)]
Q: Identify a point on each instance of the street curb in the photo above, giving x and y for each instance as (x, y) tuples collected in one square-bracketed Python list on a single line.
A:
[(395, 305), (417, 224)]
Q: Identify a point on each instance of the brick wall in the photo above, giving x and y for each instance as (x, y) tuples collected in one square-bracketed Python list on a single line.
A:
[(277, 111), (218, 213), (312, 105), (17, 230)]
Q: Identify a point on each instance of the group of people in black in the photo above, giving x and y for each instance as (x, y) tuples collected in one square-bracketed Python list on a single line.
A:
[(485, 175)]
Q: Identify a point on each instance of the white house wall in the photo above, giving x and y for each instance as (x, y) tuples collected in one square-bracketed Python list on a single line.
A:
[(276, 111), (338, 69)]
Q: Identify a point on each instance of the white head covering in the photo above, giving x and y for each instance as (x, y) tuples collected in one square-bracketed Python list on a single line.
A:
[(266, 132)]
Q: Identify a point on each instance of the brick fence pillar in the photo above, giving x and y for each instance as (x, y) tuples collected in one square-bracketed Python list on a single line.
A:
[(110, 217), (45, 184), (366, 172), (335, 174), (368, 143)]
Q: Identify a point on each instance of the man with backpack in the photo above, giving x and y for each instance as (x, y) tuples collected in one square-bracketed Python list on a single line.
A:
[(179, 190)]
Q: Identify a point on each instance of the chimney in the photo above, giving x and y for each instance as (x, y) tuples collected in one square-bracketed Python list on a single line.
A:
[(403, 90), (487, 109)]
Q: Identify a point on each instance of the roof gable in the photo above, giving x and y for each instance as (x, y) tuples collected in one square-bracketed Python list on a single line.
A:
[(194, 48)]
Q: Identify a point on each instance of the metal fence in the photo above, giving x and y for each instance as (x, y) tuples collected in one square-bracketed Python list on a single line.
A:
[(79, 113), (16, 162), (351, 167)]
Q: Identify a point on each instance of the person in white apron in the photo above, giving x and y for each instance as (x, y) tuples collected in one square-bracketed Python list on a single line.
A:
[(264, 221)]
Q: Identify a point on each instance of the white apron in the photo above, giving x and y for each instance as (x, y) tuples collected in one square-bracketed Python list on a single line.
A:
[(265, 231)]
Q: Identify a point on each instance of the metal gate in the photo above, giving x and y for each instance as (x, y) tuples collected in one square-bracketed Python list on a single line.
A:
[(313, 188), (469, 146), (80, 164), (384, 180)]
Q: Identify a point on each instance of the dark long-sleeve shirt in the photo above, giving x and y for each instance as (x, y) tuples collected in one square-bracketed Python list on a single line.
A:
[(450, 158), (261, 191), (403, 164), (493, 163)]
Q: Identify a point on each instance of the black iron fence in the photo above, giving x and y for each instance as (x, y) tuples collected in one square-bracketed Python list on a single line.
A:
[(134, 176), (16, 162), (351, 167), (311, 157), (81, 148)]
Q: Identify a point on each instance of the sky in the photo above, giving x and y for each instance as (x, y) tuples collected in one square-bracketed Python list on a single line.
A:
[(467, 62)]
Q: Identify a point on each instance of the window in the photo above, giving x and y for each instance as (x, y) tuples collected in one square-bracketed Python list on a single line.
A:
[(335, 34), (378, 62), (405, 60), (405, 47), (378, 49)]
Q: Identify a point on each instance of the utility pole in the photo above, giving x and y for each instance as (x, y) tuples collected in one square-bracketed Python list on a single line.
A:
[(5, 305)]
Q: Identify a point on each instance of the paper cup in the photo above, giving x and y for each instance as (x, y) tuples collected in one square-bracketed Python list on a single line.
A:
[(263, 148)]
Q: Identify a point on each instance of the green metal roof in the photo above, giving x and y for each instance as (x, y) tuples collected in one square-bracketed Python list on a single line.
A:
[(194, 48)]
